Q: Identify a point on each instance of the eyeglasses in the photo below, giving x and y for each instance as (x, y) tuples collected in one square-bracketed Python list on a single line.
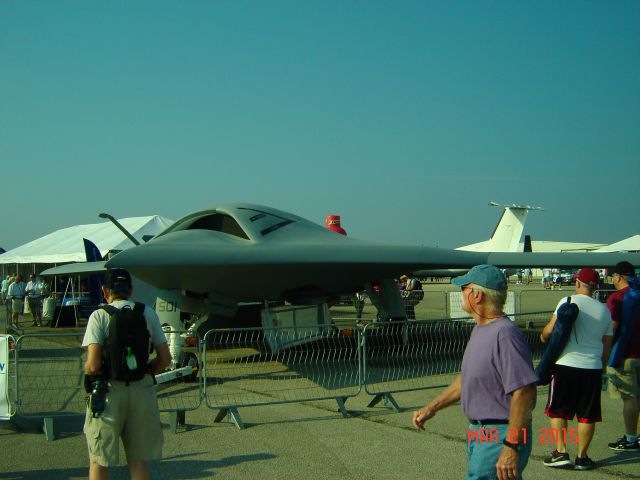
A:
[(465, 287)]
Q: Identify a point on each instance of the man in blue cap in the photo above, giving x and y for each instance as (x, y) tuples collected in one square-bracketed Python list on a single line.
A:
[(496, 384)]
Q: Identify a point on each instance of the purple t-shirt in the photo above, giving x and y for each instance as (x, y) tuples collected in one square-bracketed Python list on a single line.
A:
[(496, 362)]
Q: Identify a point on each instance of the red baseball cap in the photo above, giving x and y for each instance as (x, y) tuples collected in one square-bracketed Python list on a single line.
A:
[(589, 276)]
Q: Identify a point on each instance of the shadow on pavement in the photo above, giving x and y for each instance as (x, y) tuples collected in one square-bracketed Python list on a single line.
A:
[(622, 458), (174, 467)]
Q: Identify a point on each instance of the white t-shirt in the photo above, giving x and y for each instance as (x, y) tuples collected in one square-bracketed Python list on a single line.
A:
[(98, 325), (33, 289), (584, 347)]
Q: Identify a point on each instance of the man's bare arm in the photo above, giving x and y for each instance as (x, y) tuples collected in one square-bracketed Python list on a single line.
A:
[(451, 395), (519, 416), (548, 328), (93, 364), (607, 341), (162, 359), (520, 413)]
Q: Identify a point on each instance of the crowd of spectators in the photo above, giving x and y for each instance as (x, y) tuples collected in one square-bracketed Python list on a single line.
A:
[(22, 298)]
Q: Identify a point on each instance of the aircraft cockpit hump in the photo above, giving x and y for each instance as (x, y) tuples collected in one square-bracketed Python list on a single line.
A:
[(208, 220), (246, 221), (218, 222)]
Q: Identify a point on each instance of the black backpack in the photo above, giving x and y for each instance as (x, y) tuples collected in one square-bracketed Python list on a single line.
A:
[(128, 336)]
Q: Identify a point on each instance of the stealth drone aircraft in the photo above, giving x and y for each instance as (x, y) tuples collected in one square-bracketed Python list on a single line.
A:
[(246, 252)]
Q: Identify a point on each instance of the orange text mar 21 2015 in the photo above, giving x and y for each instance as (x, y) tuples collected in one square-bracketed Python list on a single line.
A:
[(546, 435)]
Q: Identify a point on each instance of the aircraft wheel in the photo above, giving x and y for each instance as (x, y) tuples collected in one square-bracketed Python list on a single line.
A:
[(191, 360)]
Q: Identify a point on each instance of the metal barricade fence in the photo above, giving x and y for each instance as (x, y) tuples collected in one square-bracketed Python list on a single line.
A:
[(405, 356), (49, 375), (181, 388), (233, 368), (255, 366), (531, 325), (49, 378), (9, 373)]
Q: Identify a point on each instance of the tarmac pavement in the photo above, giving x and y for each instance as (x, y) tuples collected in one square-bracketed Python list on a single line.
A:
[(311, 441)]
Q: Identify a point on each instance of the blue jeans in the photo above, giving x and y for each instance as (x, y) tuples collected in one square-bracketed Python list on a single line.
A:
[(484, 449)]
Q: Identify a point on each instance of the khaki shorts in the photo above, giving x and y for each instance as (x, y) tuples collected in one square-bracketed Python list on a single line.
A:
[(17, 304), (625, 381), (133, 411)]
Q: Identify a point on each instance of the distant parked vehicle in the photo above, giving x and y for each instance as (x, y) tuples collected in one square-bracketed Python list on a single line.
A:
[(568, 277)]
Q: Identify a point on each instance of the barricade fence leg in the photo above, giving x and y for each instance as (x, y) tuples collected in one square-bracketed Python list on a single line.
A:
[(388, 401), (341, 406), (176, 418), (233, 414), (47, 428)]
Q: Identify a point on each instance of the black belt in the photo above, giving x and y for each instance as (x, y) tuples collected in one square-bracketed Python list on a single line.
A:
[(489, 421)]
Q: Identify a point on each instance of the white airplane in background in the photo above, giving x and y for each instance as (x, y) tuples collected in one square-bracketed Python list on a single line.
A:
[(506, 235), (505, 238)]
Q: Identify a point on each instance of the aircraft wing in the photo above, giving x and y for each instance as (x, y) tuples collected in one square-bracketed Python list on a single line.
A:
[(266, 271), (557, 259), (76, 269), (201, 262)]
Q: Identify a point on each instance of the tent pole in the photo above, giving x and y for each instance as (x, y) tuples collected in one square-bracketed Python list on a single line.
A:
[(76, 303), (63, 299)]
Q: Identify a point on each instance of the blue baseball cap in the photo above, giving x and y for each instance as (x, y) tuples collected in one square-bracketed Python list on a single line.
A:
[(488, 276)]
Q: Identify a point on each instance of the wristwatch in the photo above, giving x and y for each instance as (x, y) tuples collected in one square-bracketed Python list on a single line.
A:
[(507, 443)]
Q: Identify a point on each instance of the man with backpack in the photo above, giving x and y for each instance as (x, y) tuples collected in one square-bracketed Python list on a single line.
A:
[(577, 374), (119, 374), (624, 363)]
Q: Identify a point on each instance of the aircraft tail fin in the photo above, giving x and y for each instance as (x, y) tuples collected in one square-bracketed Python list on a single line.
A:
[(506, 235), (95, 281)]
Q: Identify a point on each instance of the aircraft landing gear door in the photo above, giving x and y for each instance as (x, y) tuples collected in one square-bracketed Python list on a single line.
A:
[(388, 302), (168, 310), (297, 324)]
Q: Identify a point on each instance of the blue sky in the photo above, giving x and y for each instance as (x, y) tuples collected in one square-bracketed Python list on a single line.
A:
[(406, 118)]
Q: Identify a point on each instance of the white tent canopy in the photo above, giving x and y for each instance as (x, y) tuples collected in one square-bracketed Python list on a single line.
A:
[(66, 245), (631, 244)]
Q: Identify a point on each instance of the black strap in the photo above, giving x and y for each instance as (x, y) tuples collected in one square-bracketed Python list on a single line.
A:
[(110, 309), (489, 421), (575, 333)]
